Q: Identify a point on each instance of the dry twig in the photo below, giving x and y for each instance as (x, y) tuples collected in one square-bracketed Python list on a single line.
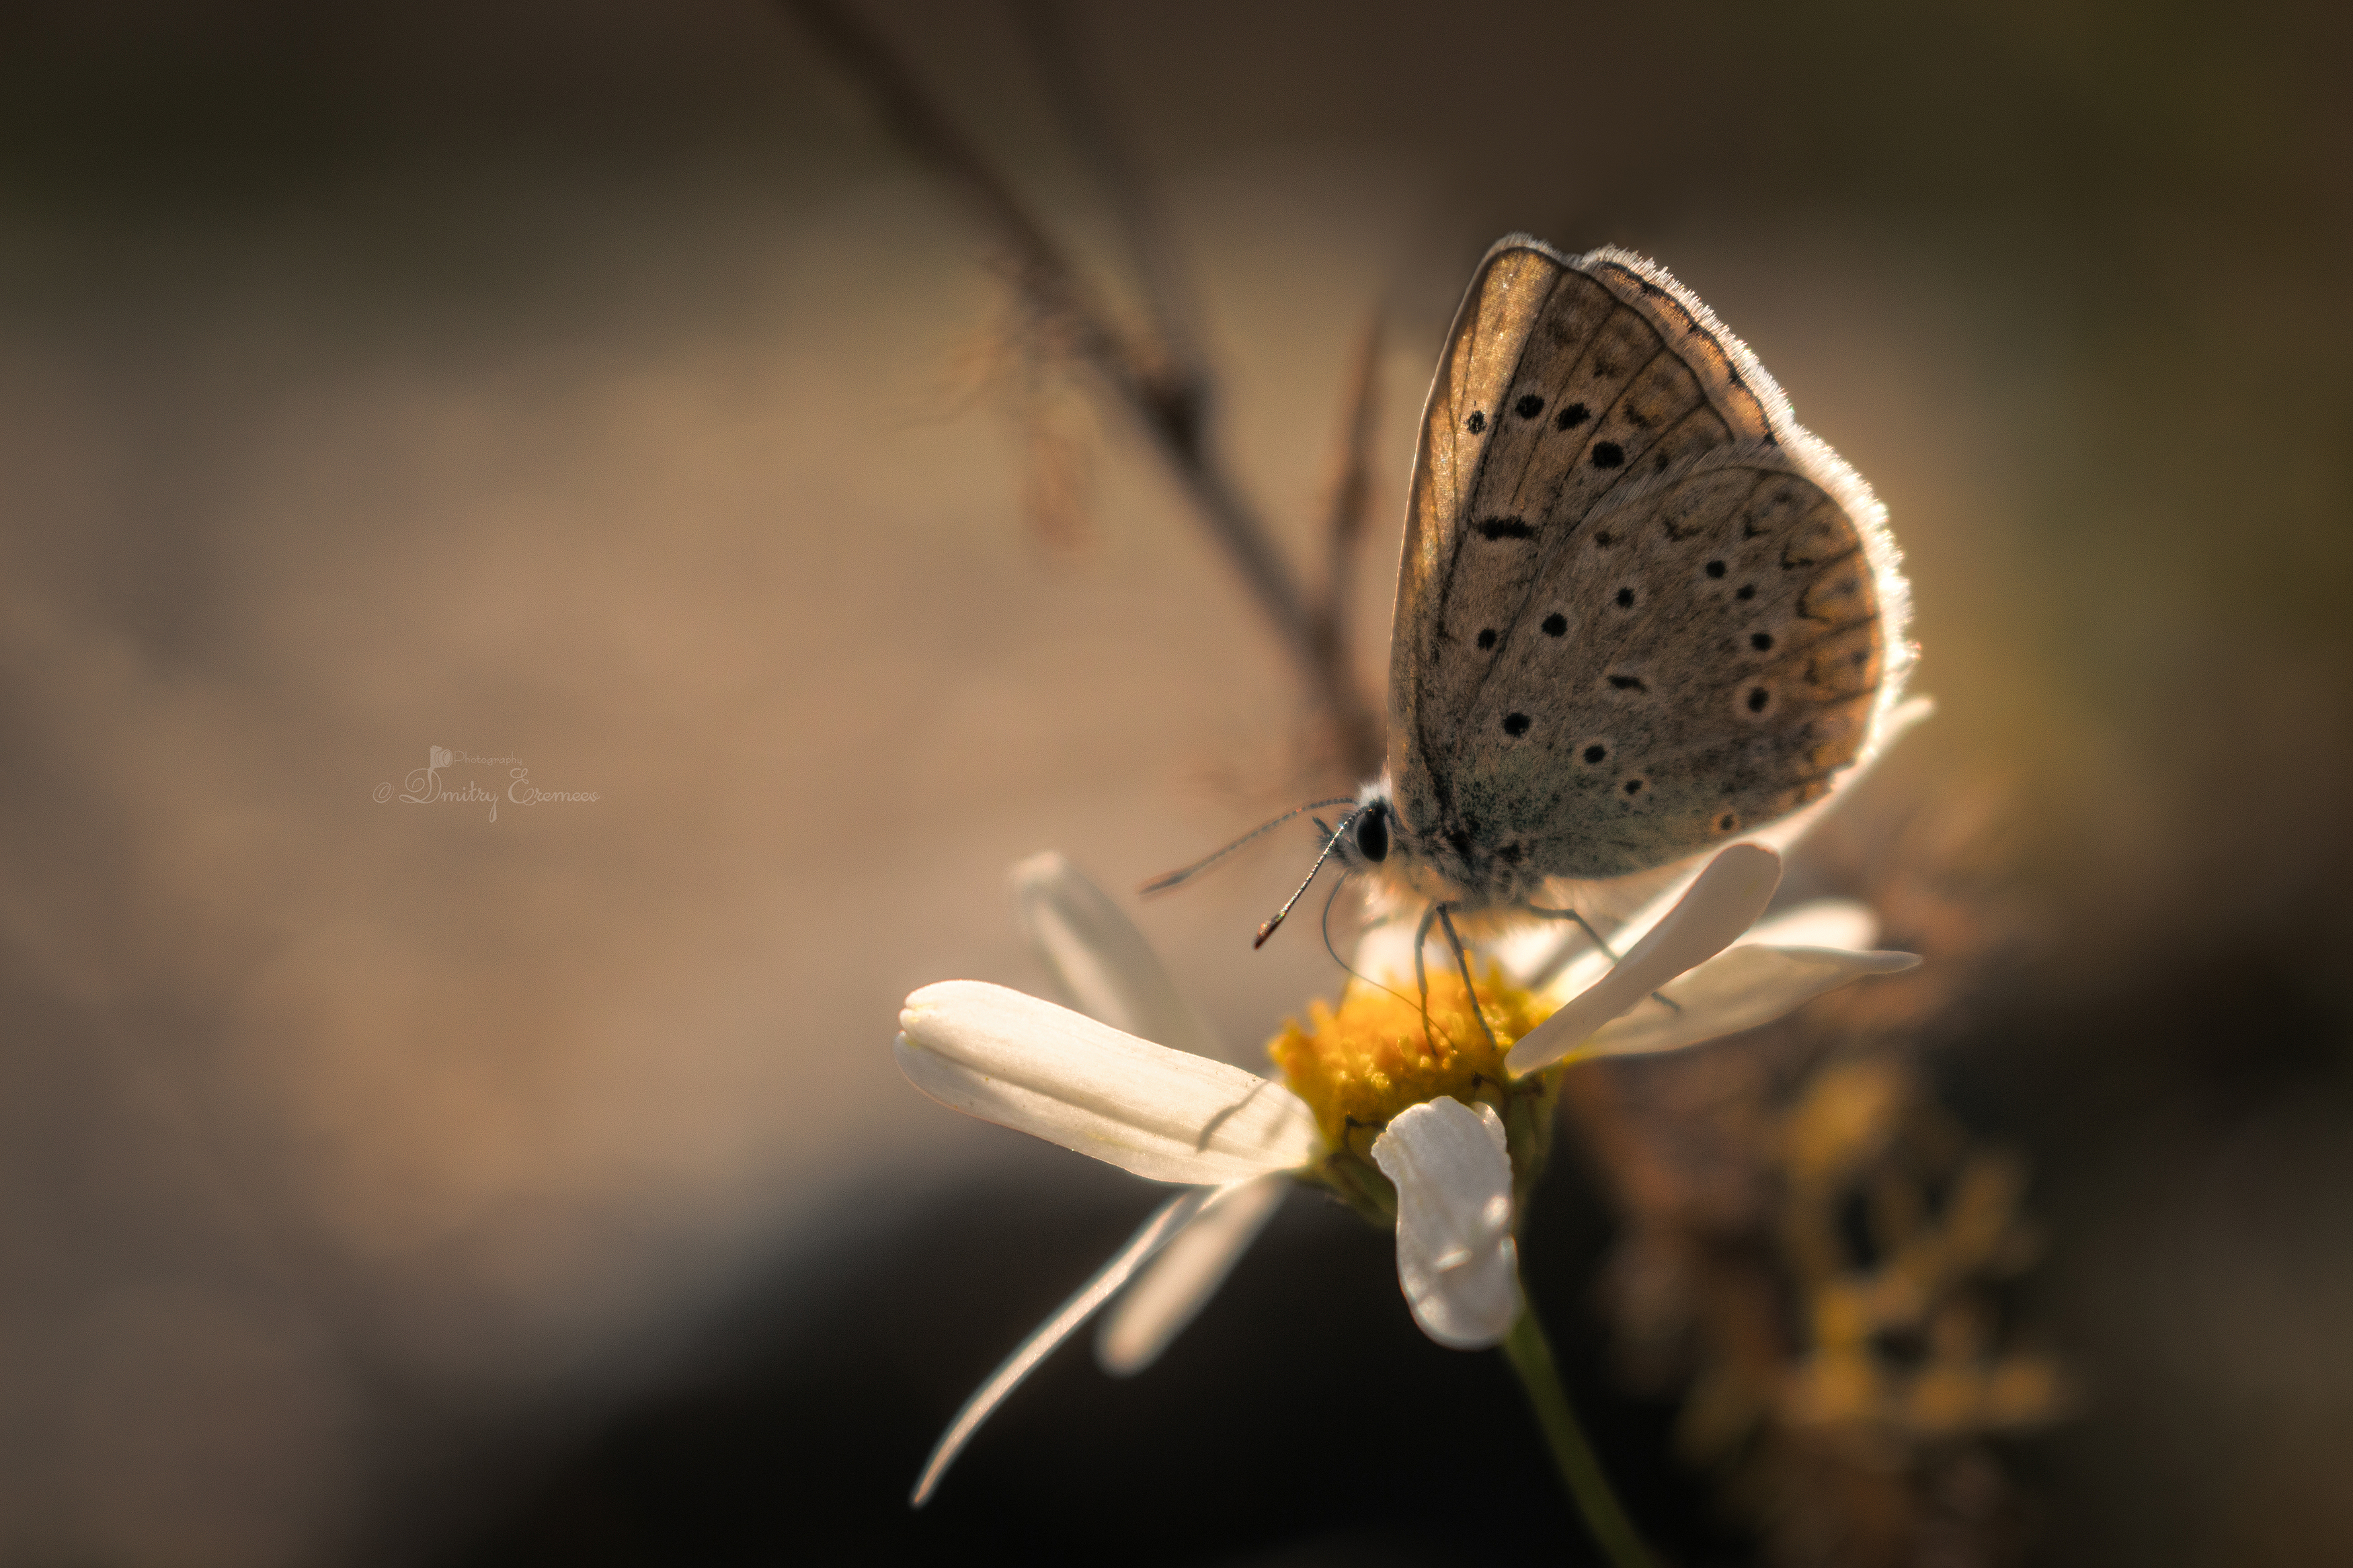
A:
[(1352, 499), (1152, 378)]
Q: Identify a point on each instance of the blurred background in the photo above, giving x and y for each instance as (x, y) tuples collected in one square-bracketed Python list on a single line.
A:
[(600, 389)]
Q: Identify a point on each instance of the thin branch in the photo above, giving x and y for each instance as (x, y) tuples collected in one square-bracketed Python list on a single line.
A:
[(1092, 129), (1167, 410), (1605, 1517), (1352, 497)]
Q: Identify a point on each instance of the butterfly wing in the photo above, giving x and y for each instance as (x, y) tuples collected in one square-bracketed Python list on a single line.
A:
[(1611, 506)]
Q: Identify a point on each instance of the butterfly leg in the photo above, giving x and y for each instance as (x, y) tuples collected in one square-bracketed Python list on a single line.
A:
[(1422, 972), (1582, 924), (1420, 940), (1595, 937), (1462, 962)]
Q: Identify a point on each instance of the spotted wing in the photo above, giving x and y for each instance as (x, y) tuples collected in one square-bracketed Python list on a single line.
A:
[(1592, 398), (1700, 659)]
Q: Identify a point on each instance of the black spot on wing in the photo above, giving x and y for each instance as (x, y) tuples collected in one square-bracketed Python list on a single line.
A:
[(1505, 528), (1477, 423), (1529, 407), (1556, 625), (1515, 724), (1570, 417), (1487, 637), (1608, 454)]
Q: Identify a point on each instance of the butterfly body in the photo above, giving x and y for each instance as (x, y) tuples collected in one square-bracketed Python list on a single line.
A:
[(1640, 612)]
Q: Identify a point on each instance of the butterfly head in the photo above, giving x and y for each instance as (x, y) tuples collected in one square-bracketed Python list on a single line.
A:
[(1364, 838), (1380, 850), (1398, 862)]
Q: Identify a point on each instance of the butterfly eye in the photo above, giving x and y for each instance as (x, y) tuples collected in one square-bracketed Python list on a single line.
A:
[(1373, 834)]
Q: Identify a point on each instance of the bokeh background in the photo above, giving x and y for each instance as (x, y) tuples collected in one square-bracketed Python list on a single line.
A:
[(598, 385)]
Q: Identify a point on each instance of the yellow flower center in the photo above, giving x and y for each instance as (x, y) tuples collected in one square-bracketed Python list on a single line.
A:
[(1378, 1053)]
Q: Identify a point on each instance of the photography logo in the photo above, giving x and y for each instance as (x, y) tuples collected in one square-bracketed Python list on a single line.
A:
[(438, 784)]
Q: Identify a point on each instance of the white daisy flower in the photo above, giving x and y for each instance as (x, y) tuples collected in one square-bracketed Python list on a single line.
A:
[(1407, 1107)]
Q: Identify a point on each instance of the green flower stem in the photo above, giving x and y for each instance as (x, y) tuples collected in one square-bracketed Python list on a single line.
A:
[(1531, 1356)]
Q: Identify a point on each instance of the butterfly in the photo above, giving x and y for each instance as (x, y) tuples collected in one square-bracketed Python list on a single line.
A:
[(1640, 612)]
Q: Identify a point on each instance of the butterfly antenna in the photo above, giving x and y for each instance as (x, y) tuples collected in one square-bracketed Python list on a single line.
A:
[(1345, 967), (1162, 884), (1350, 969), (1329, 844)]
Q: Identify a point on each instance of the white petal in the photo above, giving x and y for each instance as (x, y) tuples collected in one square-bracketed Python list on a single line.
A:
[(1066, 1321), (1169, 1116), (1106, 969), (1824, 922), (1724, 902), (1456, 1261), (1182, 1279), (1778, 837), (1530, 954), (1738, 989)]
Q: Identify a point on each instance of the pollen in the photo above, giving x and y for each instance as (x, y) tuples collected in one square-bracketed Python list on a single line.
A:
[(1378, 1053)]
